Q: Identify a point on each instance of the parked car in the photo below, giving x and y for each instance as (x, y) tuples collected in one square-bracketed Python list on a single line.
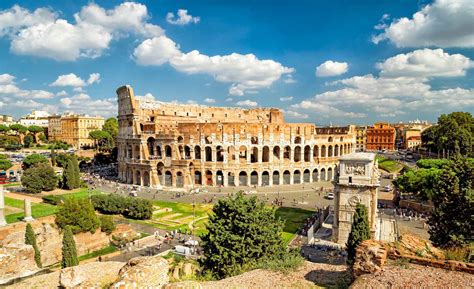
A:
[(330, 196)]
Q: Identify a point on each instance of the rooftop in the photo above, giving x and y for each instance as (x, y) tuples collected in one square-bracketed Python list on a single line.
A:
[(358, 157)]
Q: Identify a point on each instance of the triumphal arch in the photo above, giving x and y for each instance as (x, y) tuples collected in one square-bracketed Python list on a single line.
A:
[(186, 145)]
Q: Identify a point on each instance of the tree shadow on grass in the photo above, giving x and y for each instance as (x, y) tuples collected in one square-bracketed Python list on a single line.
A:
[(330, 278)]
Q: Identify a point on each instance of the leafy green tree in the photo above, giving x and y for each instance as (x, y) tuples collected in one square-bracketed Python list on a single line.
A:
[(107, 224), (53, 157), (421, 182), (41, 177), (360, 232), (111, 126), (28, 141), (240, 233), (30, 239), (4, 128), (35, 130), (69, 251), (20, 130), (71, 177), (77, 173), (102, 139), (5, 163), (451, 221), (77, 214), (33, 160), (62, 159)]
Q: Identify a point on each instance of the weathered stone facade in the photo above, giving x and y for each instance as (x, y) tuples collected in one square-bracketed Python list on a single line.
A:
[(177, 145)]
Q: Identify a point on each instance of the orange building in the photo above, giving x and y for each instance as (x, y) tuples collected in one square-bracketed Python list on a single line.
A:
[(381, 136)]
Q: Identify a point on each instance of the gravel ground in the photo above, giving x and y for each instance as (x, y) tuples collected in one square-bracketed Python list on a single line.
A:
[(414, 276)]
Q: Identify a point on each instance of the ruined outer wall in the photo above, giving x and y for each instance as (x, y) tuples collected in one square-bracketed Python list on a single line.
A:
[(163, 144)]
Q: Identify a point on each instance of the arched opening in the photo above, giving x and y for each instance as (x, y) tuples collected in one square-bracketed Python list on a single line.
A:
[(297, 177), (219, 154), (209, 181), (307, 153), (336, 150), (315, 175), (230, 179), (276, 153), (243, 154), (276, 178), (287, 153), (315, 152), (180, 139), (297, 156), (197, 152), (146, 179), (181, 152), (129, 152), (323, 151), (168, 179), (138, 180), (219, 178), (187, 152), (330, 174), (254, 178), (159, 168), (208, 152), (265, 179), (150, 143), (179, 180), (137, 152), (306, 176), (341, 150), (330, 151), (254, 155), (286, 177), (129, 176), (297, 140), (197, 178), (230, 154), (242, 178), (158, 152), (330, 139), (266, 154), (323, 174), (254, 140), (168, 151)]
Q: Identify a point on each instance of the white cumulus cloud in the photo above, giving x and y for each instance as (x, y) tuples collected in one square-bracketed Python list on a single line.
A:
[(444, 23), (331, 68), (247, 102), (182, 18), (286, 98), (93, 78), (209, 100), (68, 80)]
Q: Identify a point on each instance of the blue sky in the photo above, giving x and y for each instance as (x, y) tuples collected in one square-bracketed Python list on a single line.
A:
[(326, 62)]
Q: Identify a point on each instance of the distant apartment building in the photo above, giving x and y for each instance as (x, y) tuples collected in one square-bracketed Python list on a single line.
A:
[(408, 134), (36, 117), (380, 136), (6, 119), (361, 138), (74, 129)]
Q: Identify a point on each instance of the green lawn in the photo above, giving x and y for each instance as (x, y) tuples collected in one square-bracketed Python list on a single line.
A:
[(11, 185), (82, 193), (294, 219), (390, 166), (101, 252), (37, 210)]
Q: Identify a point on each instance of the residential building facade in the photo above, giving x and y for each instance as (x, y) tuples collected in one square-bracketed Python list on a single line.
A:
[(380, 136), (361, 138), (74, 129)]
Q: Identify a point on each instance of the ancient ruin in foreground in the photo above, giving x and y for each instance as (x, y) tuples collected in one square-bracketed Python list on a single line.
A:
[(183, 145)]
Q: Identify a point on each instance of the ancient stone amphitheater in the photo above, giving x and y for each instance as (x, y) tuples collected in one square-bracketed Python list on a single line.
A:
[(181, 145)]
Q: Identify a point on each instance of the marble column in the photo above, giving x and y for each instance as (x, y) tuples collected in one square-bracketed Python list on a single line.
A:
[(3, 222), (28, 216)]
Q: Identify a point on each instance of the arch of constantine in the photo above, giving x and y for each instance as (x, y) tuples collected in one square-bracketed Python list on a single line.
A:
[(181, 145)]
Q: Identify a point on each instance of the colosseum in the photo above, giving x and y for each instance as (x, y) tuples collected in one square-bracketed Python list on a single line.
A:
[(184, 146)]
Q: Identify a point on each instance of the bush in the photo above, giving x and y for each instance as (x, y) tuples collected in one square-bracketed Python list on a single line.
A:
[(78, 214), (107, 224), (135, 208), (53, 199), (285, 263), (41, 177), (5, 163), (33, 160)]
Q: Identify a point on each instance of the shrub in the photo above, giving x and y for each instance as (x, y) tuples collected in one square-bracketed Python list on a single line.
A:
[(285, 263), (107, 224), (41, 177), (78, 214), (34, 159), (135, 208), (53, 199)]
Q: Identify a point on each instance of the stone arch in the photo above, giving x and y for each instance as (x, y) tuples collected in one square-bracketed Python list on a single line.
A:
[(197, 178), (330, 153), (146, 179), (150, 143), (276, 152), (231, 179), (208, 153), (266, 154), (323, 151), (137, 152), (243, 153), (315, 151), (181, 152), (287, 153), (187, 152), (137, 177), (336, 150), (322, 174), (208, 178), (276, 178), (158, 152), (219, 178), (315, 175), (265, 178), (296, 177), (129, 152), (306, 176), (197, 152), (341, 150), (230, 153), (330, 139), (254, 178), (168, 152), (180, 139), (297, 154), (307, 153), (254, 155), (286, 177), (179, 179), (219, 154), (330, 174), (298, 140), (129, 176), (168, 179), (243, 178)]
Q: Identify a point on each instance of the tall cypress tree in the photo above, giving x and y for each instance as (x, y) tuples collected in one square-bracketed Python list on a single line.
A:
[(30, 239), (359, 232), (69, 181), (77, 176), (69, 250)]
